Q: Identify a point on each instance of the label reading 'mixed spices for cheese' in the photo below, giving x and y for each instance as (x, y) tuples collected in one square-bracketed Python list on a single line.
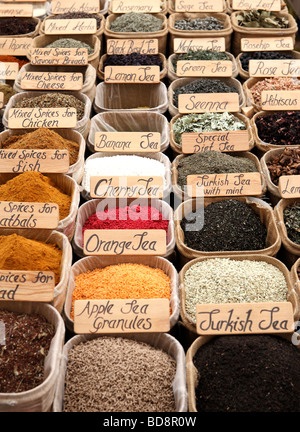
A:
[(44, 161), (70, 26), (68, 6), (137, 6), (51, 81), (132, 74), (204, 68), (199, 5), (227, 141), (208, 102), (126, 187), (127, 142), (129, 46), (268, 5), (59, 56), (32, 118), (267, 44), (28, 215), (183, 45)]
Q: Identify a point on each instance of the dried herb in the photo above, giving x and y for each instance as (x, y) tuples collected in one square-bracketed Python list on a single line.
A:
[(16, 26), (204, 24), (281, 128), (286, 163), (261, 19), (7, 91), (70, 43), (199, 55), (133, 59), (291, 217), (134, 22), (264, 55)]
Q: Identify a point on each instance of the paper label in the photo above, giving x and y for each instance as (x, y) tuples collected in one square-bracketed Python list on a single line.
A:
[(70, 26), (15, 46), (199, 5), (11, 10), (137, 6), (274, 68), (132, 74), (127, 142), (129, 46), (267, 44), (269, 5), (208, 102), (273, 100), (9, 70), (28, 215), (64, 6), (202, 68)]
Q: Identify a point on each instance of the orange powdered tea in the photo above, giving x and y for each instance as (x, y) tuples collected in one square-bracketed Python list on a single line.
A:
[(122, 281)]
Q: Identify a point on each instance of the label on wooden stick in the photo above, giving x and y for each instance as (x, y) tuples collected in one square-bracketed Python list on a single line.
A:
[(59, 56), (199, 6), (27, 285), (289, 186), (68, 6), (125, 242), (244, 318), (51, 81), (32, 118), (16, 10), (15, 46), (137, 6), (203, 68), (183, 45), (132, 74), (127, 142), (267, 44), (9, 70), (129, 46), (231, 141), (28, 215), (122, 316), (44, 161), (274, 68), (233, 184), (126, 187), (208, 102), (268, 5), (70, 26), (286, 100)]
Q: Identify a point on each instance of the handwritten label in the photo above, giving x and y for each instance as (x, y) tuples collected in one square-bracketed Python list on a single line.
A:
[(215, 141), (32, 118), (129, 46), (137, 6), (44, 161), (121, 316), (208, 102), (15, 46), (272, 100), (132, 74), (289, 186), (11, 10), (127, 142), (65, 6), (51, 81), (27, 285), (124, 242), (267, 44), (273, 68), (244, 318), (28, 215), (187, 44), (70, 26), (9, 70), (126, 187), (199, 6), (59, 56), (197, 68), (233, 184), (1, 99), (269, 5)]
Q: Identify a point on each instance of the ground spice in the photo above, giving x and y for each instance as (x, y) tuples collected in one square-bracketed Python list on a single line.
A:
[(7, 91), (70, 43), (200, 55), (199, 24), (79, 15), (129, 217), (11, 59), (122, 281), (264, 55), (134, 22), (224, 280), (248, 373), (291, 217), (108, 374), (33, 186), (203, 85), (45, 139), (275, 83), (229, 225), (27, 343), (212, 162), (133, 59), (281, 128), (20, 253), (286, 163), (261, 19), (16, 26), (53, 100)]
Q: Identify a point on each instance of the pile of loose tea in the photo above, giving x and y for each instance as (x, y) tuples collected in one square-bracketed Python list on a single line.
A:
[(274, 83), (27, 342), (206, 122), (200, 55), (261, 19), (70, 43), (212, 162), (108, 374), (280, 128), (225, 280), (53, 100), (203, 85), (7, 91), (229, 225), (291, 217), (133, 59), (203, 24), (248, 373), (286, 163), (16, 26), (264, 55), (134, 22), (79, 15)]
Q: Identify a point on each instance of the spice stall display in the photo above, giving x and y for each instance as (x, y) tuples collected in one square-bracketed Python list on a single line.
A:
[(287, 215)]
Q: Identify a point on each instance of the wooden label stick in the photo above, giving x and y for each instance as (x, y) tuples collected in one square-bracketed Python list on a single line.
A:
[(28, 215)]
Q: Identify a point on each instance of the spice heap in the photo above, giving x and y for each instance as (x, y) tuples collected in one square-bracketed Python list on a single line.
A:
[(70, 43), (16, 26), (199, 24), (20, 253), (264, 55), (122, 281), (261, 19), (261, 369), (229, 225), (134, 22), (42, 138), (27, 342), (33, 186), (129, 217), (224, 280), (53, 100), (281, 128), (212, 162), (275, 83), (7, 91), (108, 374), (11, 59), (133, 59), (206, 122), (291, 216), (200, 55), (286, 163), (79, 15), (203, 85)]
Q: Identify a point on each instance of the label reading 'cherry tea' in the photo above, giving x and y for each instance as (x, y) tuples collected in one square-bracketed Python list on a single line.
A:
[(59, 56), (126, 187)]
